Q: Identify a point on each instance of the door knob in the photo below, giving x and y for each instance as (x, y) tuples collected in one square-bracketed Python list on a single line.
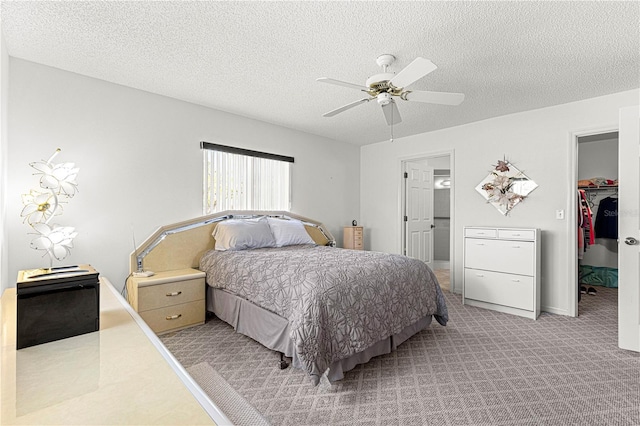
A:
[(630, 241)]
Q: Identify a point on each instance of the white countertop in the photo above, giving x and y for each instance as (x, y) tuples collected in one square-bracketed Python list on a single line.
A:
[(121, 374)]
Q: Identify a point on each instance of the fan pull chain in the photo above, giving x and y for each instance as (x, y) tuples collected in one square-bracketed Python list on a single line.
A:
[(391, 140)]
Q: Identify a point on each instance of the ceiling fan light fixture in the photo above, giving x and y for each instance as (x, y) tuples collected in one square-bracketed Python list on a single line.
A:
[(383, 98)]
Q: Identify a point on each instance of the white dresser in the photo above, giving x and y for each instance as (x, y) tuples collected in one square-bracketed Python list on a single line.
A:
[(502, 269)]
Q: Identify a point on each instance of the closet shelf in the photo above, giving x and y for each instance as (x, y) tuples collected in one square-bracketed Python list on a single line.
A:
[(597, 187)]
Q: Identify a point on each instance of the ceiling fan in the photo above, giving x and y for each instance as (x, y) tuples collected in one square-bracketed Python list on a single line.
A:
[(385, 86)]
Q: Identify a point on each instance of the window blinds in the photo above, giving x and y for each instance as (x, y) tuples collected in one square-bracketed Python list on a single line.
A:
[(236, 179)]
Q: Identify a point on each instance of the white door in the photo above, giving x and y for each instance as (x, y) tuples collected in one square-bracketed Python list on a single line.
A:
[(629, 230), (419, 211)]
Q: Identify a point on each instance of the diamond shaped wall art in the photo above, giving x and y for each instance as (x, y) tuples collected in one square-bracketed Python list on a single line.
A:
[(505, 187)]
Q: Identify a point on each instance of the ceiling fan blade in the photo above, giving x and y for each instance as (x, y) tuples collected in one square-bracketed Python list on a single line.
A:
[(346, 107), (341, 83), (391, 113), (442, 98), (413, 72)]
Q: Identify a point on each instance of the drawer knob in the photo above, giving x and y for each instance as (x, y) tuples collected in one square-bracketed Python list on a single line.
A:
[(175, 293), (172, 317)]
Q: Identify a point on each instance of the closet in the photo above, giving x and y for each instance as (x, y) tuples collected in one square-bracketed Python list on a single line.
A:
[(597, 214)]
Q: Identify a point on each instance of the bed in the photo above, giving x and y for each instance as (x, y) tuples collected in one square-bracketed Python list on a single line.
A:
[(328, 309)]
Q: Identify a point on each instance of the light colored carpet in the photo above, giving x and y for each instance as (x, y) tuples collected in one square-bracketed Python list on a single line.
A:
[(483, 368), (232, 404), (444, 278)]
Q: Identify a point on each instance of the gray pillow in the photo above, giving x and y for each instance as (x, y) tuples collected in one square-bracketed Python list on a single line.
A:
[(243, 234)]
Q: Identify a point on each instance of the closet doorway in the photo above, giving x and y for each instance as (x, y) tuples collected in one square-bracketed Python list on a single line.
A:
[(442, 213), (597, 176), (628, 303)]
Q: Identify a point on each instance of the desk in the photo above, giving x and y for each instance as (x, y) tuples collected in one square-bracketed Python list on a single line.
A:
[(121, 374)]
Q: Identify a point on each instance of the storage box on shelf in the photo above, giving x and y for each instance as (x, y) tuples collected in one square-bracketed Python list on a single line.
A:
[(502, 269)]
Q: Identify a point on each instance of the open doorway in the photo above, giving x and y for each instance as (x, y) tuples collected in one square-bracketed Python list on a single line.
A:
[(440, 216), (598, 219), (627, 307)]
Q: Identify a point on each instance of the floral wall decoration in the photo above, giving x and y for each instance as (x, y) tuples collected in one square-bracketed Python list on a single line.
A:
[(505, 187), (57, 182)]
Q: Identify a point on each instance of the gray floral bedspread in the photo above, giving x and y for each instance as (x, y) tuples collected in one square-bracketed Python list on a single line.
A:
[(338, 302)]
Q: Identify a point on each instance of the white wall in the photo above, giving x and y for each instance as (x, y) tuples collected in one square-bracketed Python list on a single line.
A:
[(537, 142), (141, 165), (598, 159), (4, 95)]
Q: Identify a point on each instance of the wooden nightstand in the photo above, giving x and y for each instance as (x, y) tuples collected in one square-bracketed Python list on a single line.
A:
[(169, 300), (353, 238)]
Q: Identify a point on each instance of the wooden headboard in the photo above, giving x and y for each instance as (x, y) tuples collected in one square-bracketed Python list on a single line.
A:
[(181, 245)]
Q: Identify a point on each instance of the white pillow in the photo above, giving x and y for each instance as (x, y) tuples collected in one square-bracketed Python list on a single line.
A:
[(288, 232), (242, 234)]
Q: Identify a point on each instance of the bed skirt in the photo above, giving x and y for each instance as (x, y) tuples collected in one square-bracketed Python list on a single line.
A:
[(272, 331)]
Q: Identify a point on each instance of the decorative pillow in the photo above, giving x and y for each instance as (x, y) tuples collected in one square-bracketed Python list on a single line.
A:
[(288, 232), (242, 234)]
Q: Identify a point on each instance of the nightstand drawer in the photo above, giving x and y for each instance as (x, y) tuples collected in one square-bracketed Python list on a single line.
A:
[(173, 293), (176, 316)]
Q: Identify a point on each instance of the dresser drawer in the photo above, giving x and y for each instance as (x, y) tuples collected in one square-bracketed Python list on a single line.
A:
[(172, 293), (515, 291), (175, 316), (480, 232), (513, 257), (516, 234)]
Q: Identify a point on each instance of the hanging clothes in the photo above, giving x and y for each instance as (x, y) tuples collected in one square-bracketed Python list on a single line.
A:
[(586, 222), (607, 218), (580, 222)]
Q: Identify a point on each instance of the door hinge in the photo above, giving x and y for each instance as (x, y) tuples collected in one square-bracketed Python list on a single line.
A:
[(406, 175), (406, 219)]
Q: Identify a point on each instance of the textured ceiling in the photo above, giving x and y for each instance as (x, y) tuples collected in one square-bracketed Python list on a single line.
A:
[(261, 59)]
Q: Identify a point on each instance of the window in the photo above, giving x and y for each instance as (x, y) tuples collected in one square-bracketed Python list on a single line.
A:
[(240, 179)]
